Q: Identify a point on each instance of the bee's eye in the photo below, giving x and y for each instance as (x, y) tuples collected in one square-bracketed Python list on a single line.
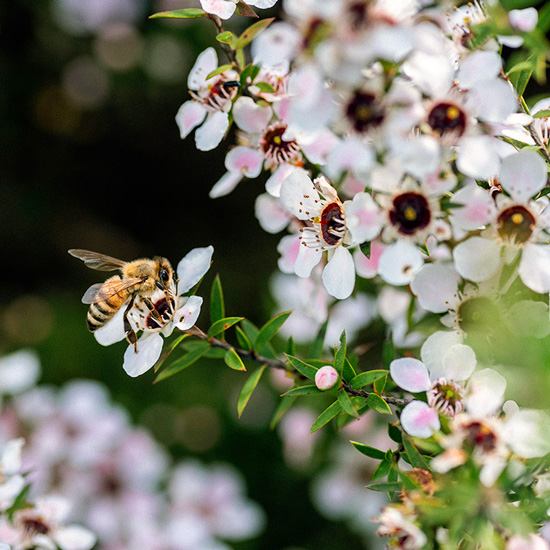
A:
[(163, 274)]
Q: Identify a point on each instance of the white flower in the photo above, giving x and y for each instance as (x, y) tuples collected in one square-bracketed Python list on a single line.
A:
[(226, 8), (212, 100), (11, 480), (518, 224), (445, 393), (182, 315), (43, 526), (327, 231)]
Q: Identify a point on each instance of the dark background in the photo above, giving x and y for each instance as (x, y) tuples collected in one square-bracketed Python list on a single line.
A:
[(112, 175)]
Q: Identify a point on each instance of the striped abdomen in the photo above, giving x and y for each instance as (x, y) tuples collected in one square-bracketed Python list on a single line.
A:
[(101, 312)]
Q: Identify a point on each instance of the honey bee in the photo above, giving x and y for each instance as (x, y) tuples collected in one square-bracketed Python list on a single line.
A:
[(137, 281)]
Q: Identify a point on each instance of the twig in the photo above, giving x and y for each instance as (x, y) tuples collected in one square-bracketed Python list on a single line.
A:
[(229, 52), (281, 365)]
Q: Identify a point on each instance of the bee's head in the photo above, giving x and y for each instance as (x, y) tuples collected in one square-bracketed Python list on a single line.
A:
[(165, 274)]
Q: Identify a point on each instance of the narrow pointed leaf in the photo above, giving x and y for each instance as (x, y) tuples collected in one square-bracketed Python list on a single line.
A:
[(284, 405), (305, 369), (302, 390), (188, 13), (348, 372), (340, 355), (386, 487), (248, 388), (318, 343), (245, 10), (218, 71), (415, 458), (346, 404), (265, 88), (222, 325), (382, 470), (290, 346), (380, 384), (365, 378), (268, 331), (388, 351), (183, 362), (233, 361), (243, 340), (172, 347), (326, 416), (249, 34), (369, 451), (376, 403), (226, 37)]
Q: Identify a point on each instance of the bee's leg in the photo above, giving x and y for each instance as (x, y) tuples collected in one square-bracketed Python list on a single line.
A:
[(150, 306), (131, 335)]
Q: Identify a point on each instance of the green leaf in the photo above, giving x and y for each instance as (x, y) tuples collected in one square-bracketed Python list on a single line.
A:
[(183, 362), (382, 470), (379, 385), (305, 369), (326, 416), (388, 351), (395, 433), (284, 406), (215, 353), (245, 10), (222, 325), (172, 347), (340, 355), (243, 340), (217, 305), (226, 37), (369, 451), (415, 458), (215, 72), (308, 389), (249, 34), (376, 403), (248, 388), (265, 88), (348, 372), (249, 73), (233, 361), (188, 13), (366, 248), (268, 331), (290, 346), (365, 378), (542, 114), (386, 487), (520, 77), (317, 346), (346, 404)]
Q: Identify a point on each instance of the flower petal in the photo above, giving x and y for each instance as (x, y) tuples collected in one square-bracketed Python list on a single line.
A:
[(528, 433), (210, 134), (419, 419), (339, 274), (523, 174), (485, 392), (192, 268), (206, 62), (478, 157), (225, 184), (434, 349), (363, 218), (250, 116), (435, 286), (113, 331), (298, 194), (186, 316), (222, 8), (410, 374), (534, 267), (477, 259), (459, 362), (74, 537), (189, 116), (246, 160), (399, 262), (147, 352)]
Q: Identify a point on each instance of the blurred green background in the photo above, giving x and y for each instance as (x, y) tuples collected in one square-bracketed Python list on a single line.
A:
[(91, 158)]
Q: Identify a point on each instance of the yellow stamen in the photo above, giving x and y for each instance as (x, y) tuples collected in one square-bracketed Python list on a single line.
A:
[(410, 213), (517, 218), (452, 113)]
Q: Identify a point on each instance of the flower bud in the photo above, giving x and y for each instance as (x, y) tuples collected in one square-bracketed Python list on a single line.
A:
[(326, 377)]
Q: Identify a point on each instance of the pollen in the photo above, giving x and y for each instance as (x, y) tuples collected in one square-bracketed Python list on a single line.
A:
[(410, 213), (516, 218), (453, 113)]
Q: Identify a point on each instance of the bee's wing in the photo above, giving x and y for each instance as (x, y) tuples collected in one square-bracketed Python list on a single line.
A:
[(103, 291), (94, 260)]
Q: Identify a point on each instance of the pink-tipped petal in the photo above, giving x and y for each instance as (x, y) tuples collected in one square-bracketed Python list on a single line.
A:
[(419, 419), (410, 374)]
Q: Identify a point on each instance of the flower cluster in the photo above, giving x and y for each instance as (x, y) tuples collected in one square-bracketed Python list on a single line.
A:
[(84, 461), (402, 160)]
